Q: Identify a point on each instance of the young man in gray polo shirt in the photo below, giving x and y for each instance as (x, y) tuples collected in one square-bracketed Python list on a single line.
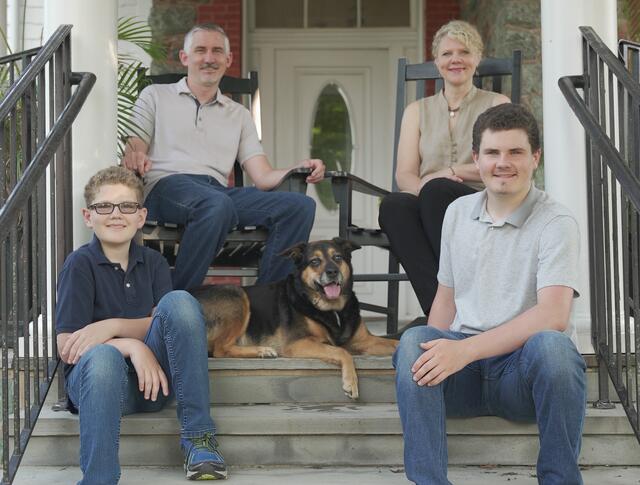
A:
[(496, 341), (192, 137)]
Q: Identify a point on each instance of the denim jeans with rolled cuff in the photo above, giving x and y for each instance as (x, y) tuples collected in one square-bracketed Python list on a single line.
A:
[(104, 386), (543, 382)]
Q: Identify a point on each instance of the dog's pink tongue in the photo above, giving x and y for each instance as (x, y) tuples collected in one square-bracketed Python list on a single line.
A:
[(332, 291)]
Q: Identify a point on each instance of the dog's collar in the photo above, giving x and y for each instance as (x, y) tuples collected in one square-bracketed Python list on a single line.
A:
[(335, 321), (337, 315)]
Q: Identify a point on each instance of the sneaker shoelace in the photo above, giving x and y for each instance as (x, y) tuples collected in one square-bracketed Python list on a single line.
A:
[(206, 441)]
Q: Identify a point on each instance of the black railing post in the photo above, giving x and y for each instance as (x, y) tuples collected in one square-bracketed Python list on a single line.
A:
[(611, 122), (34, 239), (58, 196)]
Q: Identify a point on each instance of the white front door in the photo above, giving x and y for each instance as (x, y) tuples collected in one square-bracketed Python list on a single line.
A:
[(294, 68), (361, 77)]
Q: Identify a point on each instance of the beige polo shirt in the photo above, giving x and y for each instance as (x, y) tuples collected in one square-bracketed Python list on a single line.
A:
[(189, 138), (496, 269)]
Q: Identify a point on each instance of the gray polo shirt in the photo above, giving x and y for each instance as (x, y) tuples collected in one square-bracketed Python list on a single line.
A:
[(187, 137), (497, 269)]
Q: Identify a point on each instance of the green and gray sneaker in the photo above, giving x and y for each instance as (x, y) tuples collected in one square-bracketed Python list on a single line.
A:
[(202, 460)]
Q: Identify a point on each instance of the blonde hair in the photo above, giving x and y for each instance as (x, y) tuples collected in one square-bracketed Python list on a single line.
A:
[(113, 176), (461, 31)]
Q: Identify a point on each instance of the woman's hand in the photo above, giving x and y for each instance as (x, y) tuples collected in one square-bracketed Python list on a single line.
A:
[(447, 173)]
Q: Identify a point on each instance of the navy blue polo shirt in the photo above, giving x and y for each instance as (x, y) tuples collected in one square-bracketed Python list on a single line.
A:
[(92, 288)]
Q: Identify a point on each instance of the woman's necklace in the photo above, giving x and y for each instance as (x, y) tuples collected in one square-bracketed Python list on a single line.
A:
[(452, 111)]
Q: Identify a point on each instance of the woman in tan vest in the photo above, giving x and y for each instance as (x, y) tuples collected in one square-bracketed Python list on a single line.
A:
[(434, 157)]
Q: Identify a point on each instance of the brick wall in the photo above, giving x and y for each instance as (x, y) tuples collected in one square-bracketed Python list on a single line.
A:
[(170, 21), (228, 14)]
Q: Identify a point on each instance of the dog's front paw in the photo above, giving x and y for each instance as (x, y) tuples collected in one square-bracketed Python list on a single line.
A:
[(350, 387), (267, 353)]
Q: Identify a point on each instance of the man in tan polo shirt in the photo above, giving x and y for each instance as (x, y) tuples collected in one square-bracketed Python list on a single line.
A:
[(192, 136)]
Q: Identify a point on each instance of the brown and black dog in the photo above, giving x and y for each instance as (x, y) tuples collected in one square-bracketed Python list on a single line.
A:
[(313, 313)]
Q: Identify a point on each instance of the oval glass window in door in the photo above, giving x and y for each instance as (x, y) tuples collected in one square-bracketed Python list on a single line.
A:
[(331, 138)]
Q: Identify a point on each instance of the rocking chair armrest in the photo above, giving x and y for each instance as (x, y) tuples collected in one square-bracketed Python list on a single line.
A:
[(294, 181), (342, 180)]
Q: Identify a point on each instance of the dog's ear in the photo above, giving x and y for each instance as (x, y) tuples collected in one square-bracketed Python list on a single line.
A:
[(347, 246), (295, 252)]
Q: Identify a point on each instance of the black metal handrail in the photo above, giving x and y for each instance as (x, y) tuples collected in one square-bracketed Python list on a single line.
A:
[(609, 111), (13, 64), (629, 53), (36, 169), (36, 115), (19, 56)]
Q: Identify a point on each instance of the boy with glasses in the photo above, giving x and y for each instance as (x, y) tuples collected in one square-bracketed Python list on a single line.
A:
[(128, 342)]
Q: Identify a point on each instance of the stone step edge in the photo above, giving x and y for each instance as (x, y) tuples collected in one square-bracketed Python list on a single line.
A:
[(288, 474), (284, 363), (296, 364), (323, 419)]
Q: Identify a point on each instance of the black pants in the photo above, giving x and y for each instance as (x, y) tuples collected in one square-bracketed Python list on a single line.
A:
[(414, 228)]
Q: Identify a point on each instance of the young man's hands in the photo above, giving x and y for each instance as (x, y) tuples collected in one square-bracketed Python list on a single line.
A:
[(443, 357)]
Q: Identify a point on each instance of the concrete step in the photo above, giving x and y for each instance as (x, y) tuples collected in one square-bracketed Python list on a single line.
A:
[(281, 380), (267, 381), (468, 475), (329, 434)]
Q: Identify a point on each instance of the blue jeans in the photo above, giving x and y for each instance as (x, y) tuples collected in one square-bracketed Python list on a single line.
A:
[(543, 381), (104, 386), (209, 211)]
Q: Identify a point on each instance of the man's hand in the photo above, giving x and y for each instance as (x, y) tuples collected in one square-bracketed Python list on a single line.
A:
[(151, 377), (317, 167), (83, 340), (443, 357), (137, 161)]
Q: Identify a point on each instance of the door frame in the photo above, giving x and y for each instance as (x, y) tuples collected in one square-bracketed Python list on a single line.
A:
[(417, 25), (259, 49)]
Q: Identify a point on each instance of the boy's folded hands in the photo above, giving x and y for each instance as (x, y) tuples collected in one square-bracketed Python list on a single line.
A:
[(84, 339), (151, 377)]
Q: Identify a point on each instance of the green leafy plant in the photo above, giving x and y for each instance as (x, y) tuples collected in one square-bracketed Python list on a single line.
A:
[(131, 74)]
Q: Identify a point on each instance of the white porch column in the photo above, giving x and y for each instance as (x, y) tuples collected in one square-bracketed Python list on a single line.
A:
[(14, 24), (93, 49), (564, 141), (3, 25)]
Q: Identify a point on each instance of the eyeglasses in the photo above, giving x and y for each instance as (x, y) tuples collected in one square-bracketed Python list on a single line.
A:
[(104, 208)]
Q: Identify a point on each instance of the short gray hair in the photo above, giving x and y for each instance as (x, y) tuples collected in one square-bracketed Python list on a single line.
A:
[(461, 31), (188, 38)]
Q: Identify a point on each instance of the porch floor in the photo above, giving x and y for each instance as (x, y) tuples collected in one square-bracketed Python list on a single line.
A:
[(470, 475)]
